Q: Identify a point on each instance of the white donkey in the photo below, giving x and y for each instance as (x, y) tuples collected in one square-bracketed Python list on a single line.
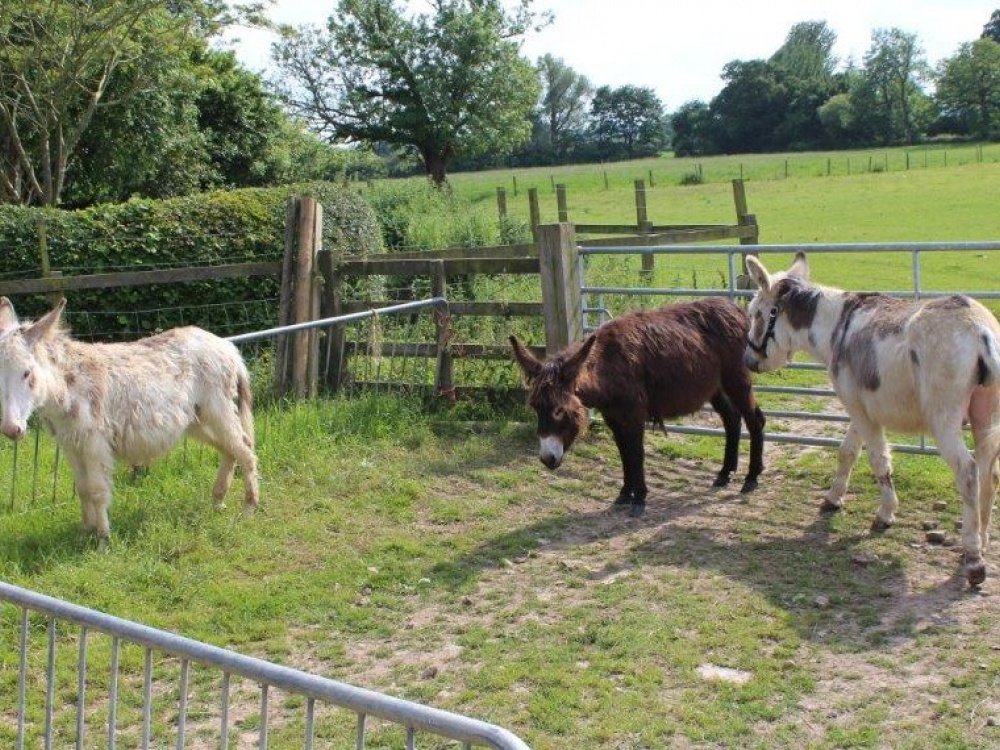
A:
[(914, 367), (131, 401)]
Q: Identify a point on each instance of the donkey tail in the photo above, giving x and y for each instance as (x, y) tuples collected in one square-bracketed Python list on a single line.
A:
[(989, 358), (244, 399)]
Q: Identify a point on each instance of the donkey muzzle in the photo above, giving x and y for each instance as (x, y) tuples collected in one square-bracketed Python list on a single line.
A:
[(550, 451), (13, 431)]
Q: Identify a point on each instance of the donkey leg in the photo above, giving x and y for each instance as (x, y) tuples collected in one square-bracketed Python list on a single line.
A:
[(984, 416), (739, 389), (94, 486), (847, 456), (881, 463), (221, 428), (952, 449), (731, 422), (629, 439)]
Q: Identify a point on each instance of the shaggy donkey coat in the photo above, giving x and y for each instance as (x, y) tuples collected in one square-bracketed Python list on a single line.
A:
[(909, 366), (131, 402), (642, 367)]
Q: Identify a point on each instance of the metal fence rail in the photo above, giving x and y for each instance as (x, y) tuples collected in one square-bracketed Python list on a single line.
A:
[(592, 297), (412, 717)]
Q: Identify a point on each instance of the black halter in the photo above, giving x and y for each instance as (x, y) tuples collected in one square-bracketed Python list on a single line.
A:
[(761, 348)]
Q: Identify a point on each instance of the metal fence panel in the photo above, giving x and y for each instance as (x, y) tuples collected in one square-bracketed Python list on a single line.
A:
[(594, 302), (411, 717)]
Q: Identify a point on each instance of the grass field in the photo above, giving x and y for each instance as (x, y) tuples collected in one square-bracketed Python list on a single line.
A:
[(433, 557)]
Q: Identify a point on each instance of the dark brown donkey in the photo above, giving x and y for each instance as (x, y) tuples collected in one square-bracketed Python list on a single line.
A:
[(647, 367)]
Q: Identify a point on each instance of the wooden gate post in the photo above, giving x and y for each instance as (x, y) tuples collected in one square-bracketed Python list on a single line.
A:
[(297, 364), (643, 226), (560, 277), (332, 364), (744, 219), (444, 383)]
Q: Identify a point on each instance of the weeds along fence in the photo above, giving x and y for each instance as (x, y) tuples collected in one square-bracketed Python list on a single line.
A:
[(800, 401), (194, 682)]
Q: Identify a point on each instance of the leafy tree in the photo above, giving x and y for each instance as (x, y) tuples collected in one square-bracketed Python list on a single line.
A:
[(807, 53), (992, 28), (750, 109), (240, 120), (198, 121), (837, 117), (450, 83), (968, 87), (562, 115), (628, 122), (58, 62), (804, 65), (149, 145), (692, 130), (894, 67)]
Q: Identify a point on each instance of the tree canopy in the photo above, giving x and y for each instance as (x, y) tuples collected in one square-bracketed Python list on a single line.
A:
[(627, 122), (449, 84)]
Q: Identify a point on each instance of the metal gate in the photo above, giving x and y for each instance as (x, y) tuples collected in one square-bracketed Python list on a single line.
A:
[(58, 614), (596, 309)]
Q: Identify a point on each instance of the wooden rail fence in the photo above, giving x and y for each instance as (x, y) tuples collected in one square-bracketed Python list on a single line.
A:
[(313, 285)]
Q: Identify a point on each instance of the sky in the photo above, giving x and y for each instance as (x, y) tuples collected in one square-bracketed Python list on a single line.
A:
[(679, 48)]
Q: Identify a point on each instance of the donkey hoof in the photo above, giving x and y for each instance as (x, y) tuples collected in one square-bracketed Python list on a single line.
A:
[(828, 507), (879, 524), (624, 499), (721, 480), (749, 485), (102, 544), (637, 509), (975, 573)]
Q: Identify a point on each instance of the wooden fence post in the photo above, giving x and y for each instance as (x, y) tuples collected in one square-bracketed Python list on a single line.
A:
[(281, 377), (332, 306), (560, 278), (444, 382), (561, 202), (502, 203), (643, 226), (534, 213), (744, 219), (300, 297)]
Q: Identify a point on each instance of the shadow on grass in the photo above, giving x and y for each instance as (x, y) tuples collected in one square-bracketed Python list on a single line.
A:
[(827, 581)]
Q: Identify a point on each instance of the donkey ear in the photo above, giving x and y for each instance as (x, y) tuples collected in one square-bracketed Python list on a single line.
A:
[(8, 318), (571, 367), (45, 327), (530, 364), (800, 268), (758, 273)]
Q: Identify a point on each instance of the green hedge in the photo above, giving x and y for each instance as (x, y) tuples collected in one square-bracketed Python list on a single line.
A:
[(207, 229)]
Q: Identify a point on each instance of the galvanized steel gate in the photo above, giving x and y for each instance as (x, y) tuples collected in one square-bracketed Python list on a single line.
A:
[(594, 305)]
